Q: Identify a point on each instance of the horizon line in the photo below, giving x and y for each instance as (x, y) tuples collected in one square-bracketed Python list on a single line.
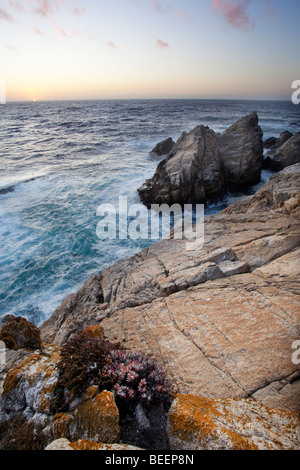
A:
[(145, 99)]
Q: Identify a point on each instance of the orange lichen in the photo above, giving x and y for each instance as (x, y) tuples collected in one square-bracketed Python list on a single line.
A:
[(99, 418), (94, 332), (229, 423), (62, 424), (13, 376)]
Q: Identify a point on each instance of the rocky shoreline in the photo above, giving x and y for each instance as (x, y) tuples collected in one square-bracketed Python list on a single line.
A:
[(221, 320)]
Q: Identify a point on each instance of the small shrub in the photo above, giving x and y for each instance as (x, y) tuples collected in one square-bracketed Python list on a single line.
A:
[(18, 434), (82, 359), (89, 359), (134, 378)]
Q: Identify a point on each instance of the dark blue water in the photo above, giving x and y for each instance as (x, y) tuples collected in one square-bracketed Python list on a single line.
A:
[(60, 160)]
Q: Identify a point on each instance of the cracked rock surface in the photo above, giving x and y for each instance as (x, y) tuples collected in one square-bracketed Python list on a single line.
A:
[(221, 318)]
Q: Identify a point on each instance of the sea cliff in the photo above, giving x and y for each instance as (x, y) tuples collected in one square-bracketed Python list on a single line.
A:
[(221, 320)]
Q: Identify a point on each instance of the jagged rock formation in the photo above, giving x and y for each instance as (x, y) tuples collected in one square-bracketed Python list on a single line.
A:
[(163, 147), (273, 143), (203, 164), (222, 318), (287, 154)]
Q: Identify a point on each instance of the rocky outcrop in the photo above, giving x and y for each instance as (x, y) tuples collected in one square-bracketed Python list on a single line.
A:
[(197, 423), (287, 154), (203, 164), (273, 143), (19, 333), (221, 318), (163, 147), (84, 444), (95, 419)]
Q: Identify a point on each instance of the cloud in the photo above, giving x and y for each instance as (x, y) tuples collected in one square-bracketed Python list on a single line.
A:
[(234, 12), (16, 6), (111, 45), (270, 8), (61, 31), (157, 5), (161, 44), (44, 7), (79, 10), (6, 16), (181, 13), (37, 31)]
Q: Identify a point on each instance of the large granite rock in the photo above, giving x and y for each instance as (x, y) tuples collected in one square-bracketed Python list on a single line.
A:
[(221, 318), (203, 164)]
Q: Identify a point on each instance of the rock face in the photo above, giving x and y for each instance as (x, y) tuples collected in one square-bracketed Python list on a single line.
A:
[(164, 147), (18, 333), (221, 319), (273, 144), (203, 164), (84, 444), (197, 423), (96, 419), (287, 154)]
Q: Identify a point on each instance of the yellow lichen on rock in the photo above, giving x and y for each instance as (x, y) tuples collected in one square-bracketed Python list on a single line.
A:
[(98, 419), (207, 424)]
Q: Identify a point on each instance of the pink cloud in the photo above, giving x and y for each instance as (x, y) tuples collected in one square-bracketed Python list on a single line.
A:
[(111, 45), (37, 31), (44, 7), (79, 10), (6, 16), (61, 31), (16, 6), (157, 5), (161, 44), (270, 8), (181, 13), (234, 12)]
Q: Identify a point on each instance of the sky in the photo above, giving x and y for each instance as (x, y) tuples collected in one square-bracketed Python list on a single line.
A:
[(123, 49)]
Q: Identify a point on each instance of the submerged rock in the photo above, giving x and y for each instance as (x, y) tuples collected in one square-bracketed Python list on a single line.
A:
[(203, 164)]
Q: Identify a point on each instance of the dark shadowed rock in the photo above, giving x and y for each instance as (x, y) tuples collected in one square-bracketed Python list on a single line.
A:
[(203, 165), (163, 147), (273, 143), (287, 154), (18, 333)]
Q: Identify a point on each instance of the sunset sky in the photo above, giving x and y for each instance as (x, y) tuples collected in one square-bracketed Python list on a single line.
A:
[(86, 49)]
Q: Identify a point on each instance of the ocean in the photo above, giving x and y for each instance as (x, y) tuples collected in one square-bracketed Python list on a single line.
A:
[(60, 160)]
